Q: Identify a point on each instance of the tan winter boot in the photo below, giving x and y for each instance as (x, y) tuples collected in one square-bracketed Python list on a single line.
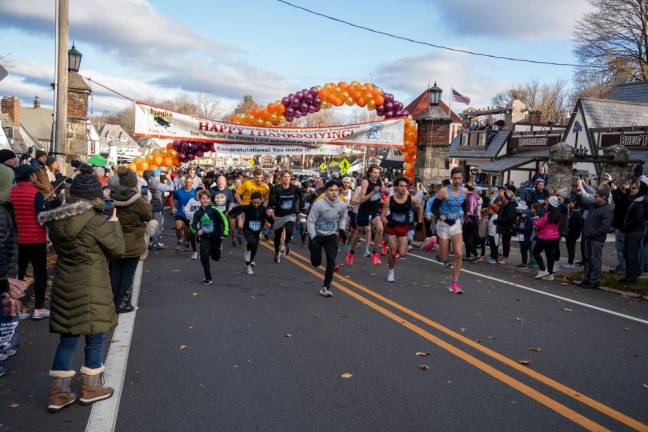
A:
[(92, 389), (60, 393)]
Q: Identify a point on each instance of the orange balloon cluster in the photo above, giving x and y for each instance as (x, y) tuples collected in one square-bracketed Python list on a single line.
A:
[(355, 93), (269, 116), (158, 158), (409, 147)]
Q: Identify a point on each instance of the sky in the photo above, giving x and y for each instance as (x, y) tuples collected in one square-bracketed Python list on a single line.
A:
[(156, 49)]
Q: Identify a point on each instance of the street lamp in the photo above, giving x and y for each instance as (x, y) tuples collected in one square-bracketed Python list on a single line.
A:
[(74, 59), (434, 94)]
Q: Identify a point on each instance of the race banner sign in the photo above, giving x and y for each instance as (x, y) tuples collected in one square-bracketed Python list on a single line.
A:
[(153, 122), (276, 150)]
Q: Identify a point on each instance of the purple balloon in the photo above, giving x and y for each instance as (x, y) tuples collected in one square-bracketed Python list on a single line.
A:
[(182, 157), (313, 91), (380, 110), (289, 112), (289, 118), (200, 153), (312, 109), (299, 95), (303, 106), (398, 106), (308, 98), (388, 97), (298, 114), (389, 106), (295, 103), (406, 113), (191, 156), (285, 101), (317, 100), (389, 114)]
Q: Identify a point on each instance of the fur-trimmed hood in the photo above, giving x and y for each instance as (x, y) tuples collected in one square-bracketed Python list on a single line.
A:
[(65, 211)]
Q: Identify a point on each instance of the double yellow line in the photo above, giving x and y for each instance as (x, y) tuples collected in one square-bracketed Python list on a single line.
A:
[(303, 263)]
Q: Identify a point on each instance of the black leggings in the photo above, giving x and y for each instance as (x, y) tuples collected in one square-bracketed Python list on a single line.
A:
[(571, 248), (210, 247), (329, 243), (35, 253), (289, 227), (252, 240), (122, 272), (549, 247)]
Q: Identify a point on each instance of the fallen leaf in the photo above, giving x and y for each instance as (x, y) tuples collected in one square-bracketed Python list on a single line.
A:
[(422, 354), (646, 386), (627, 328), (564, 284), (288, 335), (194, 294), (536, 349), (14, 405), (525, 362), (346, 375), (518, 319), (424, 367), (492, 337), (463, 329), (113, 341), (567, 309), (183, 347)]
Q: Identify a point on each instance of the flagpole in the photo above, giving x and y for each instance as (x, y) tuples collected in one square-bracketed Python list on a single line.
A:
[(450, 104)]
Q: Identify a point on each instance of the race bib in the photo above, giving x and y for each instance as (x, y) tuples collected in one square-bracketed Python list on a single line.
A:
[(326, 225), (375, 196), (207, 226), (399, 217), (286, 204), (520, 237), (306, 205), (254, 225), (221, 208)]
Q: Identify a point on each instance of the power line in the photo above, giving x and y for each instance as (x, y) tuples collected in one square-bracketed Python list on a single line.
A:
[(391, 35)]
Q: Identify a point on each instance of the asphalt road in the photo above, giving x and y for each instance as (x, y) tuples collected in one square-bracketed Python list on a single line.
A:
[(266, 352)]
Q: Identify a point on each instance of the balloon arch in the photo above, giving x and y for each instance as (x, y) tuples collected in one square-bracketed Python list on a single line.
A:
[(295, 106)]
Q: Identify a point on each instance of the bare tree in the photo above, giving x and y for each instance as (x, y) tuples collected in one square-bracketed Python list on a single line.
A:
[(552, 100), (208, 106), (611, 43), (125, 118)]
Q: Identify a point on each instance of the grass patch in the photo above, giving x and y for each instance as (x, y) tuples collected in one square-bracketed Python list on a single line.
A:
[(610, 280)]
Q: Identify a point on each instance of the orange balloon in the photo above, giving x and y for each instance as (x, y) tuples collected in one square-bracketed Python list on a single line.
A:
[(371, 105), (355, 94), (379, 100), (143, 166), (168, 161), (361, 102), (281, 109), (342, 85), (158, 160), (169, 146), (132, 166)]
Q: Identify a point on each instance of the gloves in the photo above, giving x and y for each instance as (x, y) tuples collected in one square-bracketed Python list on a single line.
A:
[(343, 235)]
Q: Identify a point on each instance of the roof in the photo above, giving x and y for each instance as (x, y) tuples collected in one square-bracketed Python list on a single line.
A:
[(605, 113), (504, 164), (37, 122), (494, 146), (421, 104), (631, 92), (115, 133)]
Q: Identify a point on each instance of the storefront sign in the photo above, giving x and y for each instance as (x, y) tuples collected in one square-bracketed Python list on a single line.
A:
[(638, 140), (534, 141), (153, 122)]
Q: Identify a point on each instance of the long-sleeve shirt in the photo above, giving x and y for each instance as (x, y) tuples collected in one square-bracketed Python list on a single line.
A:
[(547, 230), (255, 217), (211, 221), (326, 217)]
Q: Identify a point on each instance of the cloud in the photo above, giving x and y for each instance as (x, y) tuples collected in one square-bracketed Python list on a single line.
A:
[(537, 20), (409, 76)]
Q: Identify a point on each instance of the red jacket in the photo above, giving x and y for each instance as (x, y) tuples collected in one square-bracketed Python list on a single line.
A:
[(23, 198)]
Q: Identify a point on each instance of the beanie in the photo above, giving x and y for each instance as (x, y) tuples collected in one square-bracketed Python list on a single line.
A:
[(127, 177), (86, 185), (6, 154)]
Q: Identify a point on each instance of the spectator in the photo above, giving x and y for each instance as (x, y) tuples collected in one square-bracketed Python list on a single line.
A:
[(539, 195), (28, 202), (84, 240), (525, 233), (471, 223), (541, 174), (7, 259), (133, 213), (8, 158), (634, 228), (506, 221), (548, 236), (41, 181), (101, 175), (483, 232), (574, 230), (493, 238), (598, 221), (157, 188), (621, 200)]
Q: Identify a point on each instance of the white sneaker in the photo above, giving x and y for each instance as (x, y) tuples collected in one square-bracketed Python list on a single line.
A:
[(325, 292), (247, 255), (179, 245), (492, 261), (390, 276), (503, 261), (194, 256), (549, 277), (40, 314), (248, 268), (277, 258), (541, 274), (568, 266)]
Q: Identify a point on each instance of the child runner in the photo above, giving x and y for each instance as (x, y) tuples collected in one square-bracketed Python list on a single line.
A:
[(396, 221), (284, 203), (183, 231), (327, 219), (368, 214), (255, 218), (449, 205), (209, 224), (190, 209)]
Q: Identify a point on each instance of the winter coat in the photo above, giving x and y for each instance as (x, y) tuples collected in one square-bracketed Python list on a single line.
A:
[(546, 230), (621, 202), (635, 220), (492, 226), (472, 204), (483, 227), (133, 213), (506, 218), (598, 222), (575, 224), (42, 181), (525, 227), (84, 239), (212, 221), (8, 249)]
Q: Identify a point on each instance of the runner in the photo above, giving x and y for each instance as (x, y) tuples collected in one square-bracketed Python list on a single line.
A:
[(183, 231), (448, 206), (284, 203), (368, 215), (327, 219), (309, 198), (397, 222), (255, 218), (209, 224), (223, 197)]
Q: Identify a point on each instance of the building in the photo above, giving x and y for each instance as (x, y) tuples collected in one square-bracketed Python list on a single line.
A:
[(118, 144), (26, 127), (419, 106)]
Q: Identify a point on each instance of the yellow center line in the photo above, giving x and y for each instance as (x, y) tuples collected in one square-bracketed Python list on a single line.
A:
[(609, 411)]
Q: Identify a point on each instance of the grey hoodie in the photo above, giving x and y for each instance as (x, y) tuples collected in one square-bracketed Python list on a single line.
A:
[(326, 217)]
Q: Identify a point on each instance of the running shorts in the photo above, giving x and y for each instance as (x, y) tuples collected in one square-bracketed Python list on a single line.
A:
[(365, 217), (353, 216), (183, 219), (445, 231), (399, 230)]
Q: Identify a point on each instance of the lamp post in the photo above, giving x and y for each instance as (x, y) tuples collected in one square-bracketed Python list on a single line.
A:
[(74, 59), (434, 94)]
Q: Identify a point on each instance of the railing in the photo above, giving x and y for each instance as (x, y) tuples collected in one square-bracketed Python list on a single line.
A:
[(476, 138)]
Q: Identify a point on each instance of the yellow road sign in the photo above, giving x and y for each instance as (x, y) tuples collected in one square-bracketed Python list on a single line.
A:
[(251, 163), (344, 166), (323, 167)]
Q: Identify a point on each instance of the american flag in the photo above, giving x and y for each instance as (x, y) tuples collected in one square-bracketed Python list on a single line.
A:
[(458, 97)]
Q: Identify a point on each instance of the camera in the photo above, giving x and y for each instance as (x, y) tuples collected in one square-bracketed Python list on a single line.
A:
[(76, 163)]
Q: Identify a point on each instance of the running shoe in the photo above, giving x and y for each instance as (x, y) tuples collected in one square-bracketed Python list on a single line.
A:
[(349, 258), (194, 256), (492, 261), (447, 264), (326, 292), (375, 258), (549, 277), (503, 261), (337, 268), (286, 250), (187, 247), (383, 249), (541, 274), (40, 314), (252, 264), (455, 288), (247, 255), (207, 282), (248, 269), (277, 258), (398, 255), (390, 276), (179, 245), (234, 243), (367, 253)]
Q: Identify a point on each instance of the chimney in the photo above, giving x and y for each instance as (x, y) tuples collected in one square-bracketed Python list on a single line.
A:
[(535, 117), (11, 106), (36, 102)]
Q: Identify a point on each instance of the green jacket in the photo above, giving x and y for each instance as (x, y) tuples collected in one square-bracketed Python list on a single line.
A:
[(133, 213), (84, 240)]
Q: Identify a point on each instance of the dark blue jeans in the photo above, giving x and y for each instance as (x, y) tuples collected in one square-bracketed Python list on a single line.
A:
[(67, 349)]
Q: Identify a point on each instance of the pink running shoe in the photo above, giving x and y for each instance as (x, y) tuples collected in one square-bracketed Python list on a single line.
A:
[(455, 288), (383, 250), (349, 258), (375, 258)]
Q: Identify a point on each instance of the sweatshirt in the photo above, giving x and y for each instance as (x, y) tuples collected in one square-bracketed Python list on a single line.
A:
[(211, 220), (546, 230), (326, 217)]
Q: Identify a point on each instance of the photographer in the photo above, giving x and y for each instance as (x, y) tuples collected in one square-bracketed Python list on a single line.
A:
[(621, 200)]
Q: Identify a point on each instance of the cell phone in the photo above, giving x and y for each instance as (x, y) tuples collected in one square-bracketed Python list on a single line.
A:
[(144, 190), (108, 206)]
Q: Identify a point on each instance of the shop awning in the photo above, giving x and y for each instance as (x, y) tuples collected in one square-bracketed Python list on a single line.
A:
[(505, 164)]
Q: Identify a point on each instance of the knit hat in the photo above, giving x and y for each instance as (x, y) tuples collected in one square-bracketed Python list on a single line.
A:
[(127, 177), (86, 185), (553, 201), (6, 181), (40, 153), (6, 154), (23, 172)]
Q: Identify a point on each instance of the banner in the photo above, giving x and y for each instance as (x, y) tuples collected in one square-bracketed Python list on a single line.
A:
[(153, 122), (276, 150)]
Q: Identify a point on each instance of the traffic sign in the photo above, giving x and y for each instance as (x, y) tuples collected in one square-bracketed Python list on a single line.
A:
[(333, 164), (323, 167), (344, 166), (251, 163)]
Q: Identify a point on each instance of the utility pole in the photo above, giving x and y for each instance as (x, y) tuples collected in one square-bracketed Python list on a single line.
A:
[(61, 80)]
